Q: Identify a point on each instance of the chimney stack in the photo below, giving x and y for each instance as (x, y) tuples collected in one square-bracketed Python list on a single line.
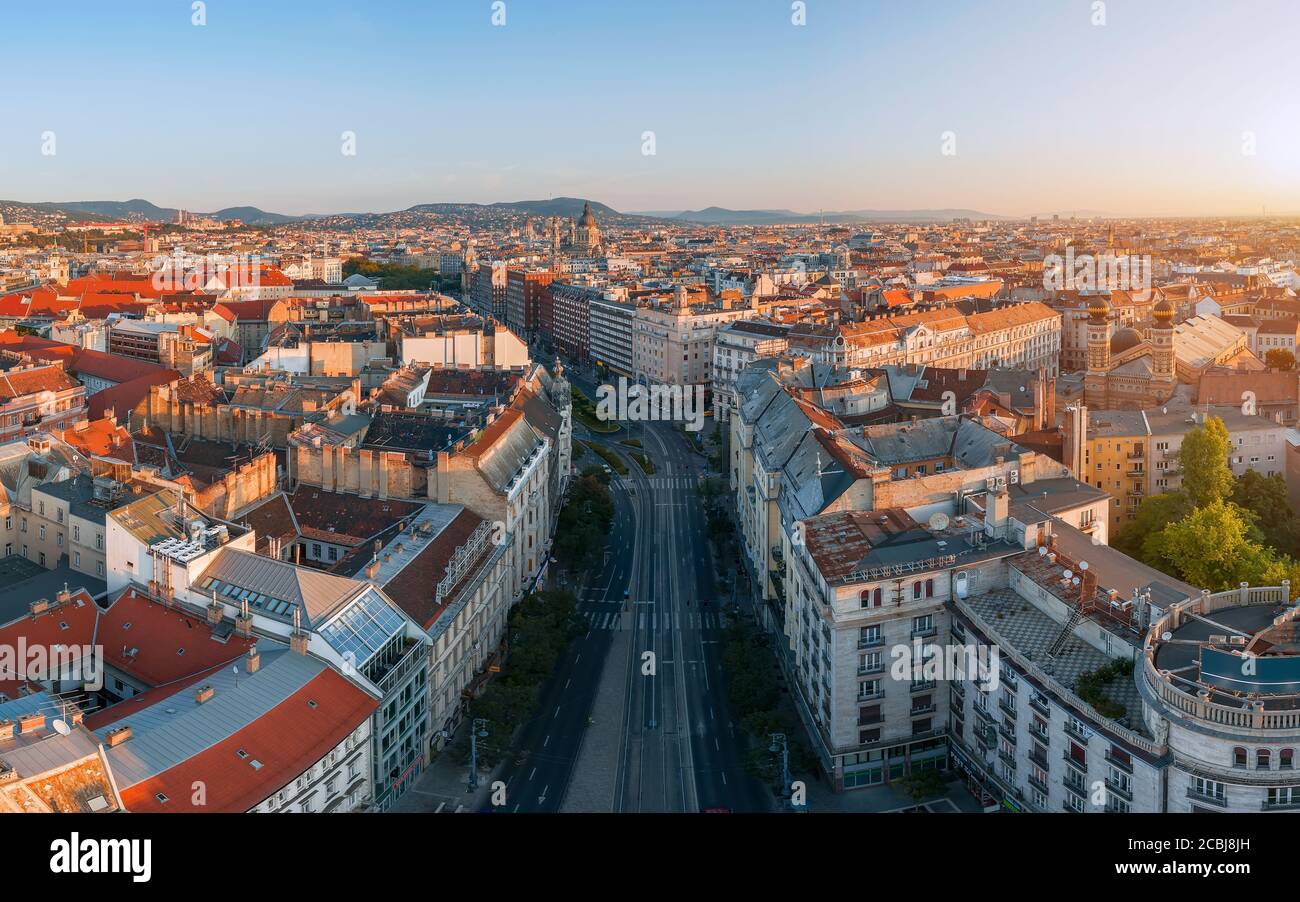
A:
[(117, 736)]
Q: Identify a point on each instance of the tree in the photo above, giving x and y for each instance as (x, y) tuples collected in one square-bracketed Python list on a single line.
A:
[(1153, 515), (1204, 460), (1266, 498), (1280, 359), (1211, 548)]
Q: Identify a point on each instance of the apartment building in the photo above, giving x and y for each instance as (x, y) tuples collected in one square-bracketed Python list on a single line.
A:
[(1134, 454), (38, 396), (572, 314), (736, 346), (1022, 336), (528, 303), (610, 328), (458, 342), (672, 344), (487, 293), (167, 550)]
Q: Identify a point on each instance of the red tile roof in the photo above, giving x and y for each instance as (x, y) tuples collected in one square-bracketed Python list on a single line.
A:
[(285, 741), (170, 645), (70, 623), (101, 438)]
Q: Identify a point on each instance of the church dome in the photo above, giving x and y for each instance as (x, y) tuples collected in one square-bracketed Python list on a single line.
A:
[(588, 219), (1124, 340), (1163, 312), (1099, 308)]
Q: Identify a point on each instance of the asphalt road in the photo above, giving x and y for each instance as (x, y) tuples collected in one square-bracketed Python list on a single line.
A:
[(679, 747)]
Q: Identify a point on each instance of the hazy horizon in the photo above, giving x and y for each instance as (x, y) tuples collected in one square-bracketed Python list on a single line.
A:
[(1168, 109)]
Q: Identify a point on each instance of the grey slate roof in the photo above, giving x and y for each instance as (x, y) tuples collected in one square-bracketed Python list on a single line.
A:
[(176, 728)]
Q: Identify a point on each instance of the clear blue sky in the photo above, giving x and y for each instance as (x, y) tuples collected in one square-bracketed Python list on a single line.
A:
[(1144, 115)]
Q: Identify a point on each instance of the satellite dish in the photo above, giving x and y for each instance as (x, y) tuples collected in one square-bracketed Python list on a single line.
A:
[(1068, 573), (1075, 581), (1166, 636), (939, 521), (61, 728), (1083, 565), (1042, 551), (235, 670)]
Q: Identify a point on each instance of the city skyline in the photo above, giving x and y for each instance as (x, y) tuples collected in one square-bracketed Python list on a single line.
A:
[(859, 108)]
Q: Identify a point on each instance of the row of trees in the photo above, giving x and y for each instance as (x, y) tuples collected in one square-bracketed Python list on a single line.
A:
[(1217, 530), (539, 630), (584, 521), (396, 277), (754, 690)]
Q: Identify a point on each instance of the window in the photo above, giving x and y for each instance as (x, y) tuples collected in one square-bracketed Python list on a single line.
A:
[(1263, 760), (1239, 757), (1279, 796), (1286, 759), (1208, 789)]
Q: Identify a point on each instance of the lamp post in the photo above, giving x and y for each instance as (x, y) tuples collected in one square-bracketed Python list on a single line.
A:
[(477, 729)]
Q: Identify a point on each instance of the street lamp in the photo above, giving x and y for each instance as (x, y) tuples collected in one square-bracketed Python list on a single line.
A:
[(779, 743), (477, 730)]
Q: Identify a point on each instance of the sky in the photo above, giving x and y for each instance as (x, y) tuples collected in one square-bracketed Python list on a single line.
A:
[(1169, 108)]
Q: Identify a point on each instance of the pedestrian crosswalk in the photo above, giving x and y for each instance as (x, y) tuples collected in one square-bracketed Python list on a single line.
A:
[(651, 621), (673, 482)]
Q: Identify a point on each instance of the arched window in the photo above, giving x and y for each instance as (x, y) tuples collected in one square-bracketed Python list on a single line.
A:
[(1263, 761), (1238, 757), (1286, 759)]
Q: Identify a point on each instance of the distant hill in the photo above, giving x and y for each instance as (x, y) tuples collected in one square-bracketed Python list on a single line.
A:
[(723, 216), (253, 216), (566, 207), (141, 210)]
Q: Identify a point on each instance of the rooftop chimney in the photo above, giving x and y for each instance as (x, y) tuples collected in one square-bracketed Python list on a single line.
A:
[(203, 694), (117, 736), (30, 723)]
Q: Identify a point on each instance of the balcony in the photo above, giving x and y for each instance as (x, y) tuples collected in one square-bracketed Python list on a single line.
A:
[(1117, 789), (1037, 784), (1293, 805), (869, 669), (1075, 730), (871, 642), (925, 632), (1039, 757), (1008, 707), (1075, 762), (1040, 705), (923, 687), (1007, 758), (920, 710), (1122, 764), (1077, 788), (1217, 801)]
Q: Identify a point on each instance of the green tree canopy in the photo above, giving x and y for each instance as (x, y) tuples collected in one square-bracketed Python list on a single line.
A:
[(1280, 359), (1153, 515), (1204, 461), (1211, 548), (1267, 499)]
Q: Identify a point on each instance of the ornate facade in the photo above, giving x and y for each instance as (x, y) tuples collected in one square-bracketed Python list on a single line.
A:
[(1126, 371)]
